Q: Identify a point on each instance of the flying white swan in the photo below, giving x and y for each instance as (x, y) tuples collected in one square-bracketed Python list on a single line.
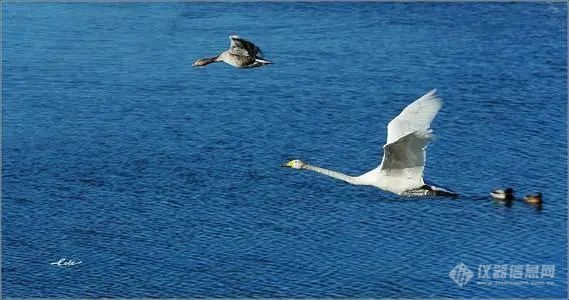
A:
[(241, 54), (401, 170)]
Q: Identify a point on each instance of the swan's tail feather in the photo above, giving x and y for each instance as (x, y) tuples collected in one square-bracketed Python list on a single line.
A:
[(440, 191), (444, 193)]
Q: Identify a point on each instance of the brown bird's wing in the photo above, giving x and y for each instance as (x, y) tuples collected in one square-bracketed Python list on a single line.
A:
[(243, 47)]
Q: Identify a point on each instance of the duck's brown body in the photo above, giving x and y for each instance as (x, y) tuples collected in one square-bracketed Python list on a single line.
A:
[(533, 199), (241, 54), (240, 61)]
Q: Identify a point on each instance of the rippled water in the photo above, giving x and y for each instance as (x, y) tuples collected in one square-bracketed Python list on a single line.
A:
[(165, 181)]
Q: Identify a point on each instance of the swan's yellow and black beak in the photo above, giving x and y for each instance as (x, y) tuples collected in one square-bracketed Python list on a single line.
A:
[(288, 164)]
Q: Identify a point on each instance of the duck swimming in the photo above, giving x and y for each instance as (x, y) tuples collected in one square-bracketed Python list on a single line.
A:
[(241, 54), (401, 170), (533, 199), (507, 194)]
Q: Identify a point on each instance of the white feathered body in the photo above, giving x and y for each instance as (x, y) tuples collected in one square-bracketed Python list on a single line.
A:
[(394, 184), (404, 157), (402, 171)]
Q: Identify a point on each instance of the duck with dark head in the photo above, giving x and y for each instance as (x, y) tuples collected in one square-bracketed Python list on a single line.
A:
[(503, 195)]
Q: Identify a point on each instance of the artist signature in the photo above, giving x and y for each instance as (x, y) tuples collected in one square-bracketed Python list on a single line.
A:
[(64, 262)]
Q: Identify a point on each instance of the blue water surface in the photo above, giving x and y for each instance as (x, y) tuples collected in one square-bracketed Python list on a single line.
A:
[(165, 180)]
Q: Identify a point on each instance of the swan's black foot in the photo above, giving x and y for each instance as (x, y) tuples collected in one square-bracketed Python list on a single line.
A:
[(430, 191)]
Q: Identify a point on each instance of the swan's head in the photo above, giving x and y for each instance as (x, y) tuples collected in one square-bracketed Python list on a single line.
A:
[(295, 164)]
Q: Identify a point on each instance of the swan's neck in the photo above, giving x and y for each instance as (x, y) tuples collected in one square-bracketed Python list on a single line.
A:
[(337, 175)]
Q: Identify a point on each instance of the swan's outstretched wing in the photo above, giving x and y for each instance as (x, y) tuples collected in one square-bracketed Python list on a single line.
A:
[(243, 47), (416, 116), (406, 157), (407, 137)]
